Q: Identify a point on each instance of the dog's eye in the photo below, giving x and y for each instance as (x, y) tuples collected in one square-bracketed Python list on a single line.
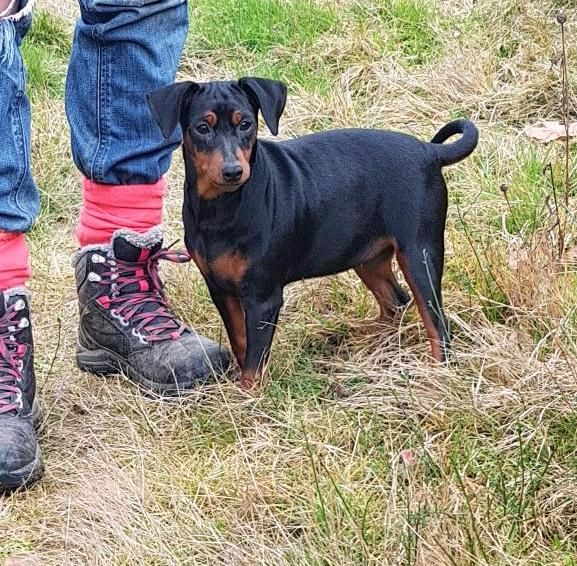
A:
[(202, 129), (245, 125)]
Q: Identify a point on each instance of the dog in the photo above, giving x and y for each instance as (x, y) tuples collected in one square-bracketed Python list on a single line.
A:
[(260, 214)]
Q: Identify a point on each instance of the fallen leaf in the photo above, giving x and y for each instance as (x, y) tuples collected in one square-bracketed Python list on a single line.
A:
[(550, 131)]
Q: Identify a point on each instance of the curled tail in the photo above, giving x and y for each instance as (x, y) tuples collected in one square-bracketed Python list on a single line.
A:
[(456, 151)]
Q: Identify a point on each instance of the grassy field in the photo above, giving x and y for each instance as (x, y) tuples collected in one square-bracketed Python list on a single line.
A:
[(359, 450)]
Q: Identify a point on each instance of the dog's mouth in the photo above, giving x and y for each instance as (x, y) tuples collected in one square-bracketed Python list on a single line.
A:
[(230, 187)]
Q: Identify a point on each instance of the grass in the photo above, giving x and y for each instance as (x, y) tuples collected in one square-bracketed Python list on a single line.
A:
[(260, 25), (270, 37), (359, 450), (45, 54), (407, 27)]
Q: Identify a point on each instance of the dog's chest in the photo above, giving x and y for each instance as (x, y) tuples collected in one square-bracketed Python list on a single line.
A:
[(222, 265)]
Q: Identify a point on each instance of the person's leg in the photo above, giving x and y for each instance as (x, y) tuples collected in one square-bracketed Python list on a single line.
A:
[(123, 50), (20, 459), (19, 202)]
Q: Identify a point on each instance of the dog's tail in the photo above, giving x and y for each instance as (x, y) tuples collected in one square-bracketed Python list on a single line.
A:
[(456, 151)]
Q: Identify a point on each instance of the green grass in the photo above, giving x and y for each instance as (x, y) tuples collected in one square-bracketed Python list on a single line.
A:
[(15, 547), (45, 52), (271, 38), (260, 26), (407, 27), (528, 194), (293, 72), (281, 39)]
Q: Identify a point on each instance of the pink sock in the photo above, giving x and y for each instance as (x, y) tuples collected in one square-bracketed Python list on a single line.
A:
[(14, 260), (107, 208)]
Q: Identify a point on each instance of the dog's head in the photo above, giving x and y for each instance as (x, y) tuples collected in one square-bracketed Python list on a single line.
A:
[(219, 122)]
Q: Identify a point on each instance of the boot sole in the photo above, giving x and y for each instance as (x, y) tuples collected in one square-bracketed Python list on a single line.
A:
[(105, 363), (32, 472)]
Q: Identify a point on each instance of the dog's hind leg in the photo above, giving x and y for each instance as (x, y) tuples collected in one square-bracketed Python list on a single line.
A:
[(422, 266), (379, 278)]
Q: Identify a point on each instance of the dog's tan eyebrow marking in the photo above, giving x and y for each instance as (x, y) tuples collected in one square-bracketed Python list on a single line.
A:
[(211, 119), (236, 117)]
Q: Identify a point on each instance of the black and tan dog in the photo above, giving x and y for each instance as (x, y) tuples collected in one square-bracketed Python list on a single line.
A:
[(260, 214)]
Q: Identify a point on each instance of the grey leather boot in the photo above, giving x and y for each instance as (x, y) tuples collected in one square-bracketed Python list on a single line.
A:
[(20, 457), (126, 324)]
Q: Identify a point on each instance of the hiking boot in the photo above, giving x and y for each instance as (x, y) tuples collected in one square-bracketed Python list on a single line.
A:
[(126, 324), (20, 457)]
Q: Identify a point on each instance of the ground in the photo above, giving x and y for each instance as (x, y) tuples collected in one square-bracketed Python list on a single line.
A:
[(359, 450)]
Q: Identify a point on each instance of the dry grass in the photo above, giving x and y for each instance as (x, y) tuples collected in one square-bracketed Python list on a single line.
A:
[(359, 450)]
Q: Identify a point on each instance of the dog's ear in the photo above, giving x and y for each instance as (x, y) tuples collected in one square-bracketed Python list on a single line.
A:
[(269, 96), (166, 105)]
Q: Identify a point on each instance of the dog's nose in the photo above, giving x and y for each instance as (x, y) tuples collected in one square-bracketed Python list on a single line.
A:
[(231, 172)]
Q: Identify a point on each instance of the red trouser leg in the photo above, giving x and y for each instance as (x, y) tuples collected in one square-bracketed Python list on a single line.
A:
[(107, 208), (14, 261)]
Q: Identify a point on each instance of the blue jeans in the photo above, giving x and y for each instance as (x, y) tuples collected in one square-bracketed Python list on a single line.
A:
[(122, 50)]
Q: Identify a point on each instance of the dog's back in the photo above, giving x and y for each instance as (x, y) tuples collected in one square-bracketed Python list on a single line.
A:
[(337, 192)]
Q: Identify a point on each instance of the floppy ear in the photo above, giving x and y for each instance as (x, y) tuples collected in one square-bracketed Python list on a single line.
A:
[(269, 96), (166, 105)]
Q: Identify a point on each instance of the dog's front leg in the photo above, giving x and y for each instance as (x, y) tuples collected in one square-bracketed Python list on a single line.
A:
[(232, 314), (261, 316)]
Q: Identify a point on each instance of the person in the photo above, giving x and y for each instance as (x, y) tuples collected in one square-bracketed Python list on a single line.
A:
[(122, 50)]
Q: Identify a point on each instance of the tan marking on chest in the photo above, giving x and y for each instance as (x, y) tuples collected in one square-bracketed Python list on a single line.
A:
[(231, 266)]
